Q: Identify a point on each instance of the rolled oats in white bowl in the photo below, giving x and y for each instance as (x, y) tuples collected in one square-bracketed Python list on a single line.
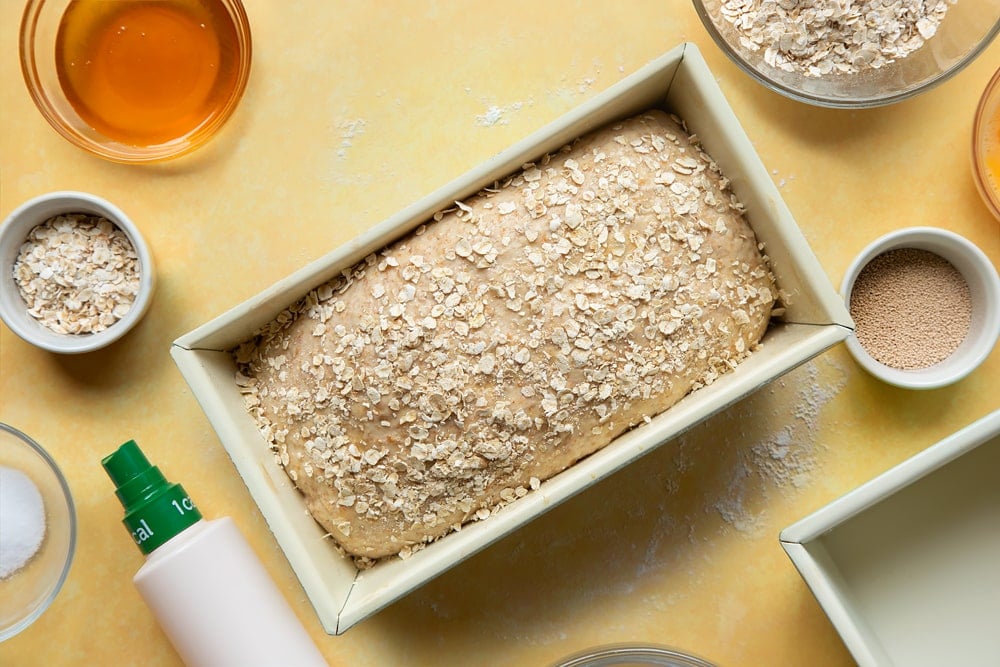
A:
[(76, 272)]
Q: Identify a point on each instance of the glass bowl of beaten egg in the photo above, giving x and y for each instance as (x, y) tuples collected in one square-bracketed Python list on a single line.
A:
[(986, 146), (136, 81), (858, 54)]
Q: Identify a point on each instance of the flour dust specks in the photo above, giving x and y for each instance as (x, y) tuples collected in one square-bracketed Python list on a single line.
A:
[(349, 130)]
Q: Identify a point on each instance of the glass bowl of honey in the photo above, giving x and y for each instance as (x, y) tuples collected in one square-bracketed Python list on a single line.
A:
[(986, 145), (137, 81)]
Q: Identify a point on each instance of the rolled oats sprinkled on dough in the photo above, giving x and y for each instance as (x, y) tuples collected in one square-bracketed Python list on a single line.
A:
[(525, 323), (829, 37), (77, 273)]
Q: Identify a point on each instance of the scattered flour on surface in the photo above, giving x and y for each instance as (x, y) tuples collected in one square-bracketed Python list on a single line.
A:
[(781, 180), (657, 537), (349, 129), (570, 91), (339, 168), (782, 456), (497, 115), (492, 116), (734, 507)]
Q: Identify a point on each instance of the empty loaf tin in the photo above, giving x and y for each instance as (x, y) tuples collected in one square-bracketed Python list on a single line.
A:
[(907, 566), (815, 319)]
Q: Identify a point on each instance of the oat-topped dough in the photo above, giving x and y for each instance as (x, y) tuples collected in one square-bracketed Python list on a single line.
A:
[(515, 334)]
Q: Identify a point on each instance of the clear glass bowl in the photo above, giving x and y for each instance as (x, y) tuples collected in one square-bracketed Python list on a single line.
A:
[(986, 145), (632, 655), (28, 591), (38, 35), (967, 29)]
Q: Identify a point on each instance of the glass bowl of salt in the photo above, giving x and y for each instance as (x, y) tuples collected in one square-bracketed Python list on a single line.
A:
[(37, 531)]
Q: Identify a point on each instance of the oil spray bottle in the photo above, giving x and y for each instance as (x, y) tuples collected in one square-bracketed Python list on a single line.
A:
[(201, 579)]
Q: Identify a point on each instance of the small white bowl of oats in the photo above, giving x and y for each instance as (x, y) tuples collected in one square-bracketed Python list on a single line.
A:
[(75, 273)]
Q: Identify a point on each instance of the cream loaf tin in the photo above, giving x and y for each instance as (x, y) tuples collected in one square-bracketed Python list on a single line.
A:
[(814, 319), (907, 566)]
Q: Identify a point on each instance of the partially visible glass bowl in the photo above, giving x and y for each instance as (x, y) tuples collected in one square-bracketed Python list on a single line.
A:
[(986, 145), (27, 591), (632, 655), (967, 28)]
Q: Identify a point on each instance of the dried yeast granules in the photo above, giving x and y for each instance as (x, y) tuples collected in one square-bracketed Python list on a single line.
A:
[(911, 308)]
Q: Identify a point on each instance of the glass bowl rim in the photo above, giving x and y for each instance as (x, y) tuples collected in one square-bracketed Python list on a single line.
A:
[(990, 194), (35, 613), (838, 102), (633, 652), (136, 155)]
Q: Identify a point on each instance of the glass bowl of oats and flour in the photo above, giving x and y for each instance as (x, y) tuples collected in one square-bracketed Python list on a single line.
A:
[(864, 53), (75, 273)]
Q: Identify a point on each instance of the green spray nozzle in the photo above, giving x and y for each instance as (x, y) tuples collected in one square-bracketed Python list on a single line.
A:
[(155, 509), (132, 473)]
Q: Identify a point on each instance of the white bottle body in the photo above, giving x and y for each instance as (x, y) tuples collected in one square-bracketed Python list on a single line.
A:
[(218, 605)]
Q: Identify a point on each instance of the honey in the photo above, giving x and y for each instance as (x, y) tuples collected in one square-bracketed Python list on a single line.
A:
[(146, 72)]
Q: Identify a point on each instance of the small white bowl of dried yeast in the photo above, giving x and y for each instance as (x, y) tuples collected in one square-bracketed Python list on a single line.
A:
[(926, 307), (76, 273)]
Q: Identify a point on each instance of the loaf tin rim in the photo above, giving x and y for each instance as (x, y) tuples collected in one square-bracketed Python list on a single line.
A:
[(801, 544), (196, 352)]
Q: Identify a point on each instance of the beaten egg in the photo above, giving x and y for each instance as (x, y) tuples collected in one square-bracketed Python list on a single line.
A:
[(986, 145)]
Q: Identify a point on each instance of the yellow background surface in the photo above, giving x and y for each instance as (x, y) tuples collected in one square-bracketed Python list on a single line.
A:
[(356, 109)]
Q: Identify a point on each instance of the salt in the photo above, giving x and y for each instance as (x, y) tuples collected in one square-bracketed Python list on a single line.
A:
[(22, 521)]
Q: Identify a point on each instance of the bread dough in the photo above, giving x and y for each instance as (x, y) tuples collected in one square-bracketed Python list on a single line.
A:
[(518, 332)]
